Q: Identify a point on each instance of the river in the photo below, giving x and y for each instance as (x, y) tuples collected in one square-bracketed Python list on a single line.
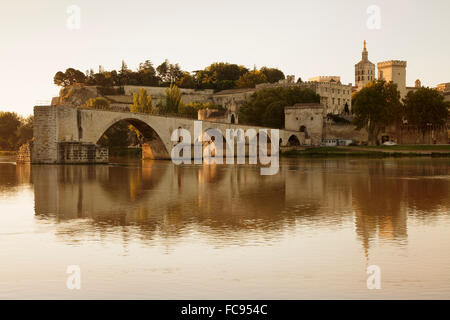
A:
[(154, 230)]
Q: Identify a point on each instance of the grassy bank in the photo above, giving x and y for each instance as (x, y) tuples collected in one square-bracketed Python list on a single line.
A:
[(370, 152), (421, 148)]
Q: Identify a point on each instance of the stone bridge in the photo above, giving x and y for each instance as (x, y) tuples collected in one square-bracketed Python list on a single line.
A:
[(65, 134)]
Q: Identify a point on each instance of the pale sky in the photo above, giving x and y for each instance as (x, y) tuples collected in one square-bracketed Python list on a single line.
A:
[(304, 38)]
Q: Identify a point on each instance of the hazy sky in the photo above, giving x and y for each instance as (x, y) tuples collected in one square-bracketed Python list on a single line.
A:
[(304, 38)]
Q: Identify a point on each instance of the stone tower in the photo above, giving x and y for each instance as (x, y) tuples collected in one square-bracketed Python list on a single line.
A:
[(364, 70), (395, 71)]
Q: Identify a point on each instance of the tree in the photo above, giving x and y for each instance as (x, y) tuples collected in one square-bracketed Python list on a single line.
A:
[(14, 130), (219, 76), (174, 73), (186, 81), (266, 107), (25, 131), (163, 70), (251, 79), (173, 99), (425, 107), (147, 74), (124, 68), (142, 103), (68, 78), (376, 106), (273, 75)]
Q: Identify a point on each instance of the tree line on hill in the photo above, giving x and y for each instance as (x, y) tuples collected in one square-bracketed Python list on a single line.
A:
[(217, 76)]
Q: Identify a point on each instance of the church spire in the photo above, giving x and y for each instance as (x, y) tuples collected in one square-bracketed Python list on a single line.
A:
[(365, 54)]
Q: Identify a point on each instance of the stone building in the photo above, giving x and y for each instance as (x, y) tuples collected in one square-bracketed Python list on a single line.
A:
[(307, 118), (444, 88), (334, 96), (364, 70), (395, 71), (417, 86), (325, 79)]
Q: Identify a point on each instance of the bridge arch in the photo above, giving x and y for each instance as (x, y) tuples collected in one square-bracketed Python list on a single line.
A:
[(153, 146)]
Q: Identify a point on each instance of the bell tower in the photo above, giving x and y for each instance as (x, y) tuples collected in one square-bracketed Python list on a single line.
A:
[(364, 70)]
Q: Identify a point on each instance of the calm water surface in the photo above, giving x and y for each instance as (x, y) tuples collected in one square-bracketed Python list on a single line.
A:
[(153, 230)]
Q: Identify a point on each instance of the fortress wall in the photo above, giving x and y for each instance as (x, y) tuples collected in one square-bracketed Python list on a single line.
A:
[(340, 131)]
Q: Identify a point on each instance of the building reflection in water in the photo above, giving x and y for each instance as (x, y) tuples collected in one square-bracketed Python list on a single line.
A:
[(235, 203)]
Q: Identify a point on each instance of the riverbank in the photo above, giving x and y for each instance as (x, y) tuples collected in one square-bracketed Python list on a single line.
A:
[(371, 151)]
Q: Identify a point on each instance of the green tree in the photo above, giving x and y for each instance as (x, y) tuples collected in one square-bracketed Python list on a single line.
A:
[(186, 81), (25, 131), (70, 77), (251, 79), (425, 107), (147, 74), (273, 75), (376, 106), (10, 122), (219, 76), (173, 99), (163, 70), (266, 107), (142, 102)]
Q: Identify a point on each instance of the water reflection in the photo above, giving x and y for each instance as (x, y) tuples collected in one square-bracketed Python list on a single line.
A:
[(160, 197), (236, 203)]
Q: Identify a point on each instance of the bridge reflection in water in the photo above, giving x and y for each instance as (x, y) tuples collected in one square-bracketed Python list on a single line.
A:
[(225, 201), (156, 230)]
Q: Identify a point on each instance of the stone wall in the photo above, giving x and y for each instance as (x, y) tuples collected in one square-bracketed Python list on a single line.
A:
[(24, 153), (306, 118), (158, 93), (78, 152), (45, 133), (409, 134), (344, 131)]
